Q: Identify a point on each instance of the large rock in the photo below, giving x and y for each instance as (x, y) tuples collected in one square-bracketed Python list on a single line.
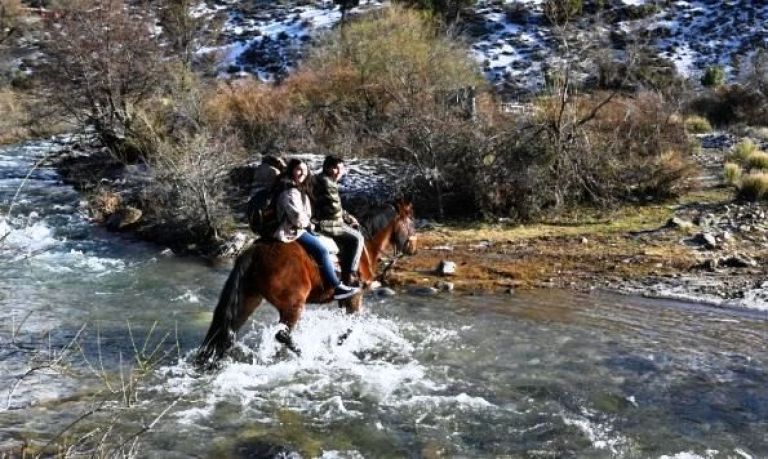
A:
[(124, 217)]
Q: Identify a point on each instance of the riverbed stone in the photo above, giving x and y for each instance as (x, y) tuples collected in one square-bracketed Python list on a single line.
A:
[(446, 268), (422, 291), (738, 261), (706, 239), (384, 292), (444, 286), (679, 223)]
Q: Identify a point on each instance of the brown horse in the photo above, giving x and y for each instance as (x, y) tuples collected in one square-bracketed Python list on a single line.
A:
[(286, 276)]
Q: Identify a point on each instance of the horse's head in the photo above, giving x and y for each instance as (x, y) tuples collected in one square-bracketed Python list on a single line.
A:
[(403, 236)]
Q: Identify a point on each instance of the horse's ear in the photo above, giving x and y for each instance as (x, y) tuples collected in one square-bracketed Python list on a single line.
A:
[(404, 205)]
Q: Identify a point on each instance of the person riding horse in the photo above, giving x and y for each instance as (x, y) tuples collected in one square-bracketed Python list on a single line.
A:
[(294, 212), (333, 221)]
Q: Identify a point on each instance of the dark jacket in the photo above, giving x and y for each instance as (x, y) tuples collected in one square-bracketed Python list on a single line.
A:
[(327, 212)]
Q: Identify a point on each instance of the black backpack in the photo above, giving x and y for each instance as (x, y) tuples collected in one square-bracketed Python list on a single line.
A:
[(262, 213)]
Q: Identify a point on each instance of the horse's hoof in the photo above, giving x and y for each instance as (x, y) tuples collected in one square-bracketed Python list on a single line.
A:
[(285, 338)]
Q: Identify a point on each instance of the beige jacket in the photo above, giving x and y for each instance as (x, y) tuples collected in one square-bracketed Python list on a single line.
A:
[(293, 212)]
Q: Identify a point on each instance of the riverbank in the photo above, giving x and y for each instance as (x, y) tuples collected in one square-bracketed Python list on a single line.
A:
[(702, 246)]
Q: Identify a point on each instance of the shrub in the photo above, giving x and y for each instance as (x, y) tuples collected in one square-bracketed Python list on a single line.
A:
[(560, 12), (757, 160), (732, 174), (713, 77), (14, 117), (754, 186), (258, 113), (186, 198), (697, 125), (448, 9), (594, 149), (394, 85), (743, 150), (733, 104), (516, 12), (10, 14)]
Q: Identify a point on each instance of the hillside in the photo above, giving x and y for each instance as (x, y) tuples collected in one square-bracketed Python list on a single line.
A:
[(513, 41)]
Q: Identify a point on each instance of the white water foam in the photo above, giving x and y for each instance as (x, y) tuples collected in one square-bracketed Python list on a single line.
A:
[(20, 239), (755, 299), (602, 435), (709, 454), (376, 365)]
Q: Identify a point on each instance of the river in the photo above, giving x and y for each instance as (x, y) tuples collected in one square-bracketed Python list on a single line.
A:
[(553, 373)]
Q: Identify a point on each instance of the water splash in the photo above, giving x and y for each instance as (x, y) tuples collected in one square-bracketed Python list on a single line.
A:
[(377, 364)]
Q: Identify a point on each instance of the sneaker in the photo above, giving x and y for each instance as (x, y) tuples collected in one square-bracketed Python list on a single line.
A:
[(342, 291)]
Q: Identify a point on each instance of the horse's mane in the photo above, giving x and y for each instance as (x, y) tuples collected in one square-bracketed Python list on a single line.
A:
[(376, 219)]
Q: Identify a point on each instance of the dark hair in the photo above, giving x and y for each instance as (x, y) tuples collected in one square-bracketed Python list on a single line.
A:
[(285, 179), (331, 161)]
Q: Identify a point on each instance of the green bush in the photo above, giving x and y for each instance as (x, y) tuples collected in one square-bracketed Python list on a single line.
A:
[(559, 12), (713, 77)]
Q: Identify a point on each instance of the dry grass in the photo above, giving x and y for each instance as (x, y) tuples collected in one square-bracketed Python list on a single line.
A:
[(757, 160), (754, 186), (732, 174), (743, 150), (14, 117), (697, 125)]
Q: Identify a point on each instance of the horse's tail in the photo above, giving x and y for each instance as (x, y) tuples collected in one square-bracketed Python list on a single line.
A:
[(221, 333)]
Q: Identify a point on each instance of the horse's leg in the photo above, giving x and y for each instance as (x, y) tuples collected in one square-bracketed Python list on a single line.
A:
[(352, 305), (251, 301), (289, 316)]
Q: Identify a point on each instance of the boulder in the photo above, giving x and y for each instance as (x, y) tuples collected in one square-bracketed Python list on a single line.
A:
[(706, 239), (124, 217)]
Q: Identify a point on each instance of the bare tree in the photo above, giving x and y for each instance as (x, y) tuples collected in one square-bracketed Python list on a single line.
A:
[(102, 60)]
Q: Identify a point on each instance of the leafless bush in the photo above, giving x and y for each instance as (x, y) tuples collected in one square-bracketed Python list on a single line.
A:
[(588, 149), (102, 60), (187, 195), (107, 426)]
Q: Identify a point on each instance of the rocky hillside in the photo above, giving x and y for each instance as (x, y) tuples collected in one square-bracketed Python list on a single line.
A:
[(513, 41)]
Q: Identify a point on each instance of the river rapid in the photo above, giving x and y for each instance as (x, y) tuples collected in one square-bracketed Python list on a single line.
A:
[(536, 374)]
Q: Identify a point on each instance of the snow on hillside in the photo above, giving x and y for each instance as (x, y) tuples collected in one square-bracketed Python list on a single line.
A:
[(267, 39)]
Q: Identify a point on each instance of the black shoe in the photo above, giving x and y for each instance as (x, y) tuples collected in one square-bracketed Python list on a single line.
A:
[(342, 291)]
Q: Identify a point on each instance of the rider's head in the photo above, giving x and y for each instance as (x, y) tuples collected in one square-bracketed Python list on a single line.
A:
[(297, 173), (333, 167)]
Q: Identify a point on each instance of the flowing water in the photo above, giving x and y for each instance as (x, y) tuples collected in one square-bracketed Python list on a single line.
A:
[(539, 374)]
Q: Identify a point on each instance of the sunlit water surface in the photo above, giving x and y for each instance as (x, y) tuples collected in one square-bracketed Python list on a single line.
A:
[(539, 374)]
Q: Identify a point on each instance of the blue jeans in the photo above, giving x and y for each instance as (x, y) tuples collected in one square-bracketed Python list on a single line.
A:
[(312, 244)]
